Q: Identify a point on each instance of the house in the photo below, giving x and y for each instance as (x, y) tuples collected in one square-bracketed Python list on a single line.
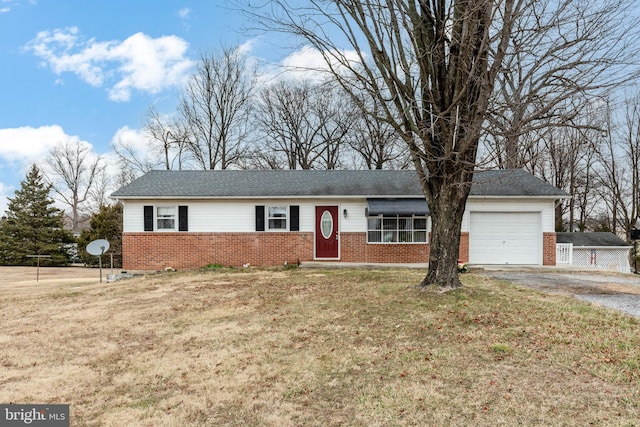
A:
[(188, 219), (600, 251)]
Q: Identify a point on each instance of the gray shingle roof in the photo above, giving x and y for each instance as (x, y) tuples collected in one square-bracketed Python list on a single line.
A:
[(293, 183), (514, 182), (590, 239)]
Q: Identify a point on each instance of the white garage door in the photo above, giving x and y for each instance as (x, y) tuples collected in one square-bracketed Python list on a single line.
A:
[(505, 238)]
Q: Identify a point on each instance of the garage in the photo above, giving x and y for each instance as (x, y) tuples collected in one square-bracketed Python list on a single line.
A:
[(505, 238)]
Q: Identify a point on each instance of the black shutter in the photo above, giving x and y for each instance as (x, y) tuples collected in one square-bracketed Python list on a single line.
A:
[(294, 212), (259, 218), (148, 218), (183, 218)]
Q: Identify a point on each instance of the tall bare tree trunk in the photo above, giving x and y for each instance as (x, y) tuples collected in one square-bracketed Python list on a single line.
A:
[(447, 210)]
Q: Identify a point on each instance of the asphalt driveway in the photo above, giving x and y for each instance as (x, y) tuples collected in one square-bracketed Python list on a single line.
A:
[(617, 291)]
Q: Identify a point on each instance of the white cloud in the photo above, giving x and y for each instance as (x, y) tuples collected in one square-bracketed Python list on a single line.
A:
[(247, 47), (135, 144), (184, 13), (136, 139), (138, 63), (307, 63), (309, 59), (28, 144), (9, 4), (306, 58), (21, 147), (4, 193)]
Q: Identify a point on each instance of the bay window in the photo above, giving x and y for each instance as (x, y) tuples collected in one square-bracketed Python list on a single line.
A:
[(396, 229)]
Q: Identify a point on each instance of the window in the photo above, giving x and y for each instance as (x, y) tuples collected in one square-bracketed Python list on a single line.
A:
[(396, 229), (326, 225), (166, 218), (277, 218)]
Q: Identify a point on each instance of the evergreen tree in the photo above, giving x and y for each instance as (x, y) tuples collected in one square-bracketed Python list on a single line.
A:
[(33, 226), (104, 224)]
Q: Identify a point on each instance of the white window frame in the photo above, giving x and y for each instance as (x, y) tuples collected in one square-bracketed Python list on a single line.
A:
[(173, 217), (268, 217), (395, 233)]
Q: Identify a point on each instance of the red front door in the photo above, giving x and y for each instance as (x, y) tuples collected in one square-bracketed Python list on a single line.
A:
[(327, 241)]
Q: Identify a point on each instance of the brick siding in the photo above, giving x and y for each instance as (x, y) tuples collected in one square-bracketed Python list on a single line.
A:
[(464, 247), (354, 248), (157, 251), (549, 249)]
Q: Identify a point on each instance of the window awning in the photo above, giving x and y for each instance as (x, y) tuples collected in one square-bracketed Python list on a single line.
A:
[(397, 207)]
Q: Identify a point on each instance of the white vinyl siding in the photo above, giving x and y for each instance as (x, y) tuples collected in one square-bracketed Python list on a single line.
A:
[(239, 215)]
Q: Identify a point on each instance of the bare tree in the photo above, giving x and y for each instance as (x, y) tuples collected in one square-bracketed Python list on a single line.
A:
[(283, 110), (376, 143), (619, 158), (74, 168), (568, 160), (563, 56), (163, 145), (215, 107), (102, 188), (303, 125), (124, 176), (169, 139), (334, 117), (133, 162), (432, 65)]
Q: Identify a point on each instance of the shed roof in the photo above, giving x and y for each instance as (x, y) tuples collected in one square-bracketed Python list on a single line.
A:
[(599, 239), (303, 183)]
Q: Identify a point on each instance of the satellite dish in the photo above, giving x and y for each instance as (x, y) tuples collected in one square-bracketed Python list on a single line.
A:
[(98, 247)]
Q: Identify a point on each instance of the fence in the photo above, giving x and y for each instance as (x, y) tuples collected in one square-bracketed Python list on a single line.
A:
[(600, 258), (564, 253)]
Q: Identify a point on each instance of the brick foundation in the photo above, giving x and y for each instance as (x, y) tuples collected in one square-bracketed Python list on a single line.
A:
[(354, 248), (157, 251)]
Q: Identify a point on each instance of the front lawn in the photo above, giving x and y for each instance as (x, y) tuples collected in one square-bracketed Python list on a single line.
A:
[(316, 347)]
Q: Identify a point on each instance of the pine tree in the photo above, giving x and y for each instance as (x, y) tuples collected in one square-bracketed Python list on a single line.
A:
[(104, 224), (33, 226)]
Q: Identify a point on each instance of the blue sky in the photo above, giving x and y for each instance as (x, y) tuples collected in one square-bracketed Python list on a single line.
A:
[(88, 71)]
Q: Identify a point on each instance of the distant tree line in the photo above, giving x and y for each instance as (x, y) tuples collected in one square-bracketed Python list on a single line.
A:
[(225, 120), (577, 135)]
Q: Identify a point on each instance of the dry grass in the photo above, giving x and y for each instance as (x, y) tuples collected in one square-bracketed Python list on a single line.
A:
[(311, 347)]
